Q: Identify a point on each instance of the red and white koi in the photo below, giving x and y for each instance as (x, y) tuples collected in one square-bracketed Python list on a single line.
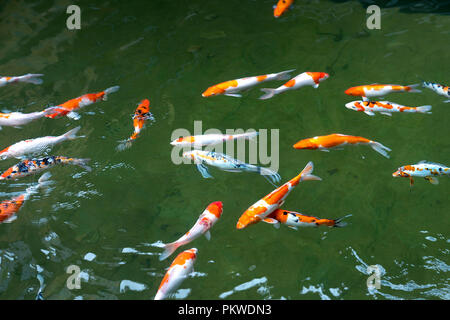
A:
[(30, 78), (231, 87), (438, 88), (68, 108), (178, 271), (294, 220), (304, 79), (281, 7), (16, 119), (36, 146), (337, 140), (424, 169), (211, 139), (377, 90), (384, 107), (204, 222)]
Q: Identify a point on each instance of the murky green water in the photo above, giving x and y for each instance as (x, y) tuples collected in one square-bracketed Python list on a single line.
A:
[(170, 52)]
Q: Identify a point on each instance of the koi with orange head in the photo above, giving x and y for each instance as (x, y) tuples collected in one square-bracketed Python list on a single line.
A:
[(274, 200), (281, 7), (424, 169), (29, 78), (384, 107), (377, 90)]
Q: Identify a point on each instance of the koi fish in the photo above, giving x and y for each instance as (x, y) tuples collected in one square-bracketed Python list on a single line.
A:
[(425, 169), (204, 222), (226, 163), (303, 79), (377, 90), (16, 119), (9, 208), (68, 108), (384, 107), (336, 140), (210, 139), (281, 7), (229, 88), (179, 270), (141, 115), (36, 146), (30, 78), (294, 220), (29, 167), (274, 200), (438, 88)]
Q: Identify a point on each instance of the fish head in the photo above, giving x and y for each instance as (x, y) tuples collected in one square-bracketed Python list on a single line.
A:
[(191, 155), (213, 91), (143, 108), (355, 91), (251, 216), (216, 208), (401, 173), (352, 105), (183, 141), (305, 144), (281, 8), (4, 154), (323, 76)]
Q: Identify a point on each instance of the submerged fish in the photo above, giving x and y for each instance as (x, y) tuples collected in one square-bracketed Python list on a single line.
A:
[(30, 78), (16, 119), (294, 220), (211, 139), (384, 107), (424, 169), (377, 90), (281, 7), (438, 88)]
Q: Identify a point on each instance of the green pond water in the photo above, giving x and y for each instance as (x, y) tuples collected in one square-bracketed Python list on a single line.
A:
[(110, 221)]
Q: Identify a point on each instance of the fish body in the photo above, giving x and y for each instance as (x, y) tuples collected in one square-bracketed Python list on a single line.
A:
[(30, 78), (178, 271), (438, 88), (201, 227), (336, 140), (33, 166), (424, 169), (294, 220), (377, 90), (281, 7), (231, 87), (384, 107), (68, 108), (226, 163), (36, 146), (304, 79), (15, 119), (264, 207), (211, 139)]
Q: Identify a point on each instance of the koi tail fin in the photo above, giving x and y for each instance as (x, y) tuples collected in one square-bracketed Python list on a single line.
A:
[(250, 135), (284, 75), (124, 144), (110, 90), (413, 86), (42, 182), (31, 78), (269, 93), (72, 134), (82, 163), (306, 173), (424, 109), (338, 223), (269, 174), (378, 147), (168, 250)]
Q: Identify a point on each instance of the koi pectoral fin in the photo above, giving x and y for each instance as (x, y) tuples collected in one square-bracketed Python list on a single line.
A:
[(204, 171), (73, 115), (411, 181), (272, 221), (432, 180), (369, 113), (208, 235), (387, 114), (236, 95)]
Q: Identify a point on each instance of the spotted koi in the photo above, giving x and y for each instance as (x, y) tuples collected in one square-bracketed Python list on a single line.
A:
[(424, 169), (29, 77), (438, 88), (294, 220), (384, 107)]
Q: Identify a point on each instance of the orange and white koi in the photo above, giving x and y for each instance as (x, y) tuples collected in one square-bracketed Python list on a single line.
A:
[(438, 88), (294, 220), (377, 90), (384, 107), (274, 200), (30, 78), (68, 108), (141, 115), (178, 271), (9, 208), (204, 222), (336, 140), (424, 169), (16, 119), (36, 146), (211, 139), (281, 7), (303, 79), (29, 167), (229, 88)]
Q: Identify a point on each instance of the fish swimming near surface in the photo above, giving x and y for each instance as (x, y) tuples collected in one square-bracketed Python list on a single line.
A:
[(226, 163), (274, 200), (178, 271), (69, 108), (337, 140), (377, 90), (36, 146), (17, 119), (304, 79), (210, 139), (33, 166), (424, 169), (9, 208), (201, 227), (438, 88), (140, 117), (29, 78), (231, 87), (281, 7), (384, 107), (294, 220)]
